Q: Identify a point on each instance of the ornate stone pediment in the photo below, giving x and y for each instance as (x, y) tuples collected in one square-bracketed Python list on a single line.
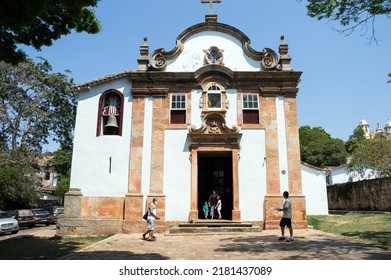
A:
[(214, 130)]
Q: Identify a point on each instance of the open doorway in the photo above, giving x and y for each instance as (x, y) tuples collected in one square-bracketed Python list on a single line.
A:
[(215, 173)]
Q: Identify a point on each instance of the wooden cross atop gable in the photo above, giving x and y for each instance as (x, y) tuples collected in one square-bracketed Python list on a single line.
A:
[(211, 4)]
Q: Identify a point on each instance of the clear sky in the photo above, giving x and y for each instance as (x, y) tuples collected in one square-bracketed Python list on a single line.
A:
[(344, 77)]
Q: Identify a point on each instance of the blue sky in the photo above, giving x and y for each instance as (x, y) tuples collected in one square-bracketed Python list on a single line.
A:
[(344, 77)]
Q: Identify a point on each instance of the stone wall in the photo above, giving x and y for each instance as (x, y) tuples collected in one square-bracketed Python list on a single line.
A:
[(368, 195)]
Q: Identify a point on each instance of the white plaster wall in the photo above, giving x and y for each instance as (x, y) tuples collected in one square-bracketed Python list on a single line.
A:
[(252, 174), (232, 113), (177, 175), (282, 147), (195, 109), (90, 163), (192, 57), (315, 190), (341, 175)]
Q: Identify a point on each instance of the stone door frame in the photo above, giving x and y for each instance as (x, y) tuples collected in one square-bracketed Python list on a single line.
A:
[(194, 150)]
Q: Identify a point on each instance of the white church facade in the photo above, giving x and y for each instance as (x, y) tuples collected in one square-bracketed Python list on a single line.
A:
[(211, 114)]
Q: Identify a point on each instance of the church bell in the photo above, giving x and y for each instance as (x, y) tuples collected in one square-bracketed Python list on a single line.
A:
[(112, 122)]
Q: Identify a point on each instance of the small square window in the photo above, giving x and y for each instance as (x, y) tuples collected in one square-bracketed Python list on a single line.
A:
[(178, 109), (250, 109)]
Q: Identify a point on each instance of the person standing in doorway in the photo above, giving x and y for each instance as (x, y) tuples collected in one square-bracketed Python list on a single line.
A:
[(219, 206), (152, 217), (213, 202), (205, 208), (286, 220)]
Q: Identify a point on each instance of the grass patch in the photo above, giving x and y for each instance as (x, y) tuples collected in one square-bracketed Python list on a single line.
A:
[(368, 228), (36, 248)]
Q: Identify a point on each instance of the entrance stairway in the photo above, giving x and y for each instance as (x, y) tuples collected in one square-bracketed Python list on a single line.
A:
[(213, 227)]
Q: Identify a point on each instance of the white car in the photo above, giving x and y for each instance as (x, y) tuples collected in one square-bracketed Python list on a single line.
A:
[(7, 223)]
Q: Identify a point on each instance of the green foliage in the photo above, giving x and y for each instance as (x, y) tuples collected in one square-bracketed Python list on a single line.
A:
[(319, 149), (38, 23), (348, 12), (35, 106), (373, 154), (16, 187), (62, 188), (355, 139), (62, 161)]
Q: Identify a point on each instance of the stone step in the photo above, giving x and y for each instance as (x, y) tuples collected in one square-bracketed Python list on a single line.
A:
[(213, 227), (211, 230), (215, 224)]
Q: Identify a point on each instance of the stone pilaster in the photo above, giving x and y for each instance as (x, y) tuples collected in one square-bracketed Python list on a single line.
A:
[(269, 120), (160, 121), (136, 145), (133, 208)]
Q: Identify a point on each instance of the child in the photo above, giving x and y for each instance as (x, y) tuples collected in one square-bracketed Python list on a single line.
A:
[(206, 209), (219, 206)]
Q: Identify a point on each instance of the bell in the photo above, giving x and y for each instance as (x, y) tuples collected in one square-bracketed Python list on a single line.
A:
[(112, 122)]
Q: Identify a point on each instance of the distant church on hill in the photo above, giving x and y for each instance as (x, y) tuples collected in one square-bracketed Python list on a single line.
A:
[(211, 114), (379, 132)]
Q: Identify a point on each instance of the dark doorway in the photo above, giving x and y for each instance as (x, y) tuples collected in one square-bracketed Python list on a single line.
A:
[(215, 173)]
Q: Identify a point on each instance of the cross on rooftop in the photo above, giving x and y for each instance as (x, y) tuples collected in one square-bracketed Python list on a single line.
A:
[(211, 4)]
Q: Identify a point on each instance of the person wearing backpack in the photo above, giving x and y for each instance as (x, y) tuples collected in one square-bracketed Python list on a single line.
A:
[(152, 217)]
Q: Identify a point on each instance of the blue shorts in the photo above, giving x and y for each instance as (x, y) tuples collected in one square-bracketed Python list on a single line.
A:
[(286, 222)]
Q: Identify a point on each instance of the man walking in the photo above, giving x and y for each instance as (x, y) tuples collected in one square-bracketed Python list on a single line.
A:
[(286, 219), (152, 217)]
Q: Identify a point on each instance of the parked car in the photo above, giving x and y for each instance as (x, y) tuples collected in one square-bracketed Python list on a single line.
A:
[(25, 217), (55, 212), (8, 224), (41, 216)]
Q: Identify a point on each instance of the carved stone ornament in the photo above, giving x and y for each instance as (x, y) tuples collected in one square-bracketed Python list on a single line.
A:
[(213, 123), (269, 59), (159, 57), (213, 55)]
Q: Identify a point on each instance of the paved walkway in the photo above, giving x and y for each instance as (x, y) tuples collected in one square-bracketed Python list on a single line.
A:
[(308, 245)]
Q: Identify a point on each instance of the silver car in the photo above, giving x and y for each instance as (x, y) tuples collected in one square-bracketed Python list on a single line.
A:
[(7, 223)]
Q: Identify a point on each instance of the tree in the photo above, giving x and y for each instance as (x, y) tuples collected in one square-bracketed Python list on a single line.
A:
[(372, 154), (17, 189), (355, 139), (35, 106), (38, 23), (350, 13), (319, 149), (62, 164)]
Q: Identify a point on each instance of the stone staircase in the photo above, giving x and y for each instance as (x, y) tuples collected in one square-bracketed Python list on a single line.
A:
[(213, 227)]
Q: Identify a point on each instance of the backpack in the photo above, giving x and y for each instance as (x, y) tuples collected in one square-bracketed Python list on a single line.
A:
[(145, 216)]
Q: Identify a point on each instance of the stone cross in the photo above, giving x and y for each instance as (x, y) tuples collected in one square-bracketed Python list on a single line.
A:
[(211, 4)]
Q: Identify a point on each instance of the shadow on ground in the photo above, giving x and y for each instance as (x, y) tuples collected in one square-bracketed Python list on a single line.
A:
[(305, 249), (28, 247), (381, 239)]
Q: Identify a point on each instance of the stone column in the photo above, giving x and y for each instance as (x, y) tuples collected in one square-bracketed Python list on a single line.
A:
[(160, 120), (235, 184), (193, 214), (273, 197), (269, 120), (133, 210), (293, 147)]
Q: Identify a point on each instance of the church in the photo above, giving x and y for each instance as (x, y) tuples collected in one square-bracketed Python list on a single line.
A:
[(211, 114)]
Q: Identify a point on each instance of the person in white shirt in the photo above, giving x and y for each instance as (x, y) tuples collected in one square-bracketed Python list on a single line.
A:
[(286, 219), (152, 217)]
